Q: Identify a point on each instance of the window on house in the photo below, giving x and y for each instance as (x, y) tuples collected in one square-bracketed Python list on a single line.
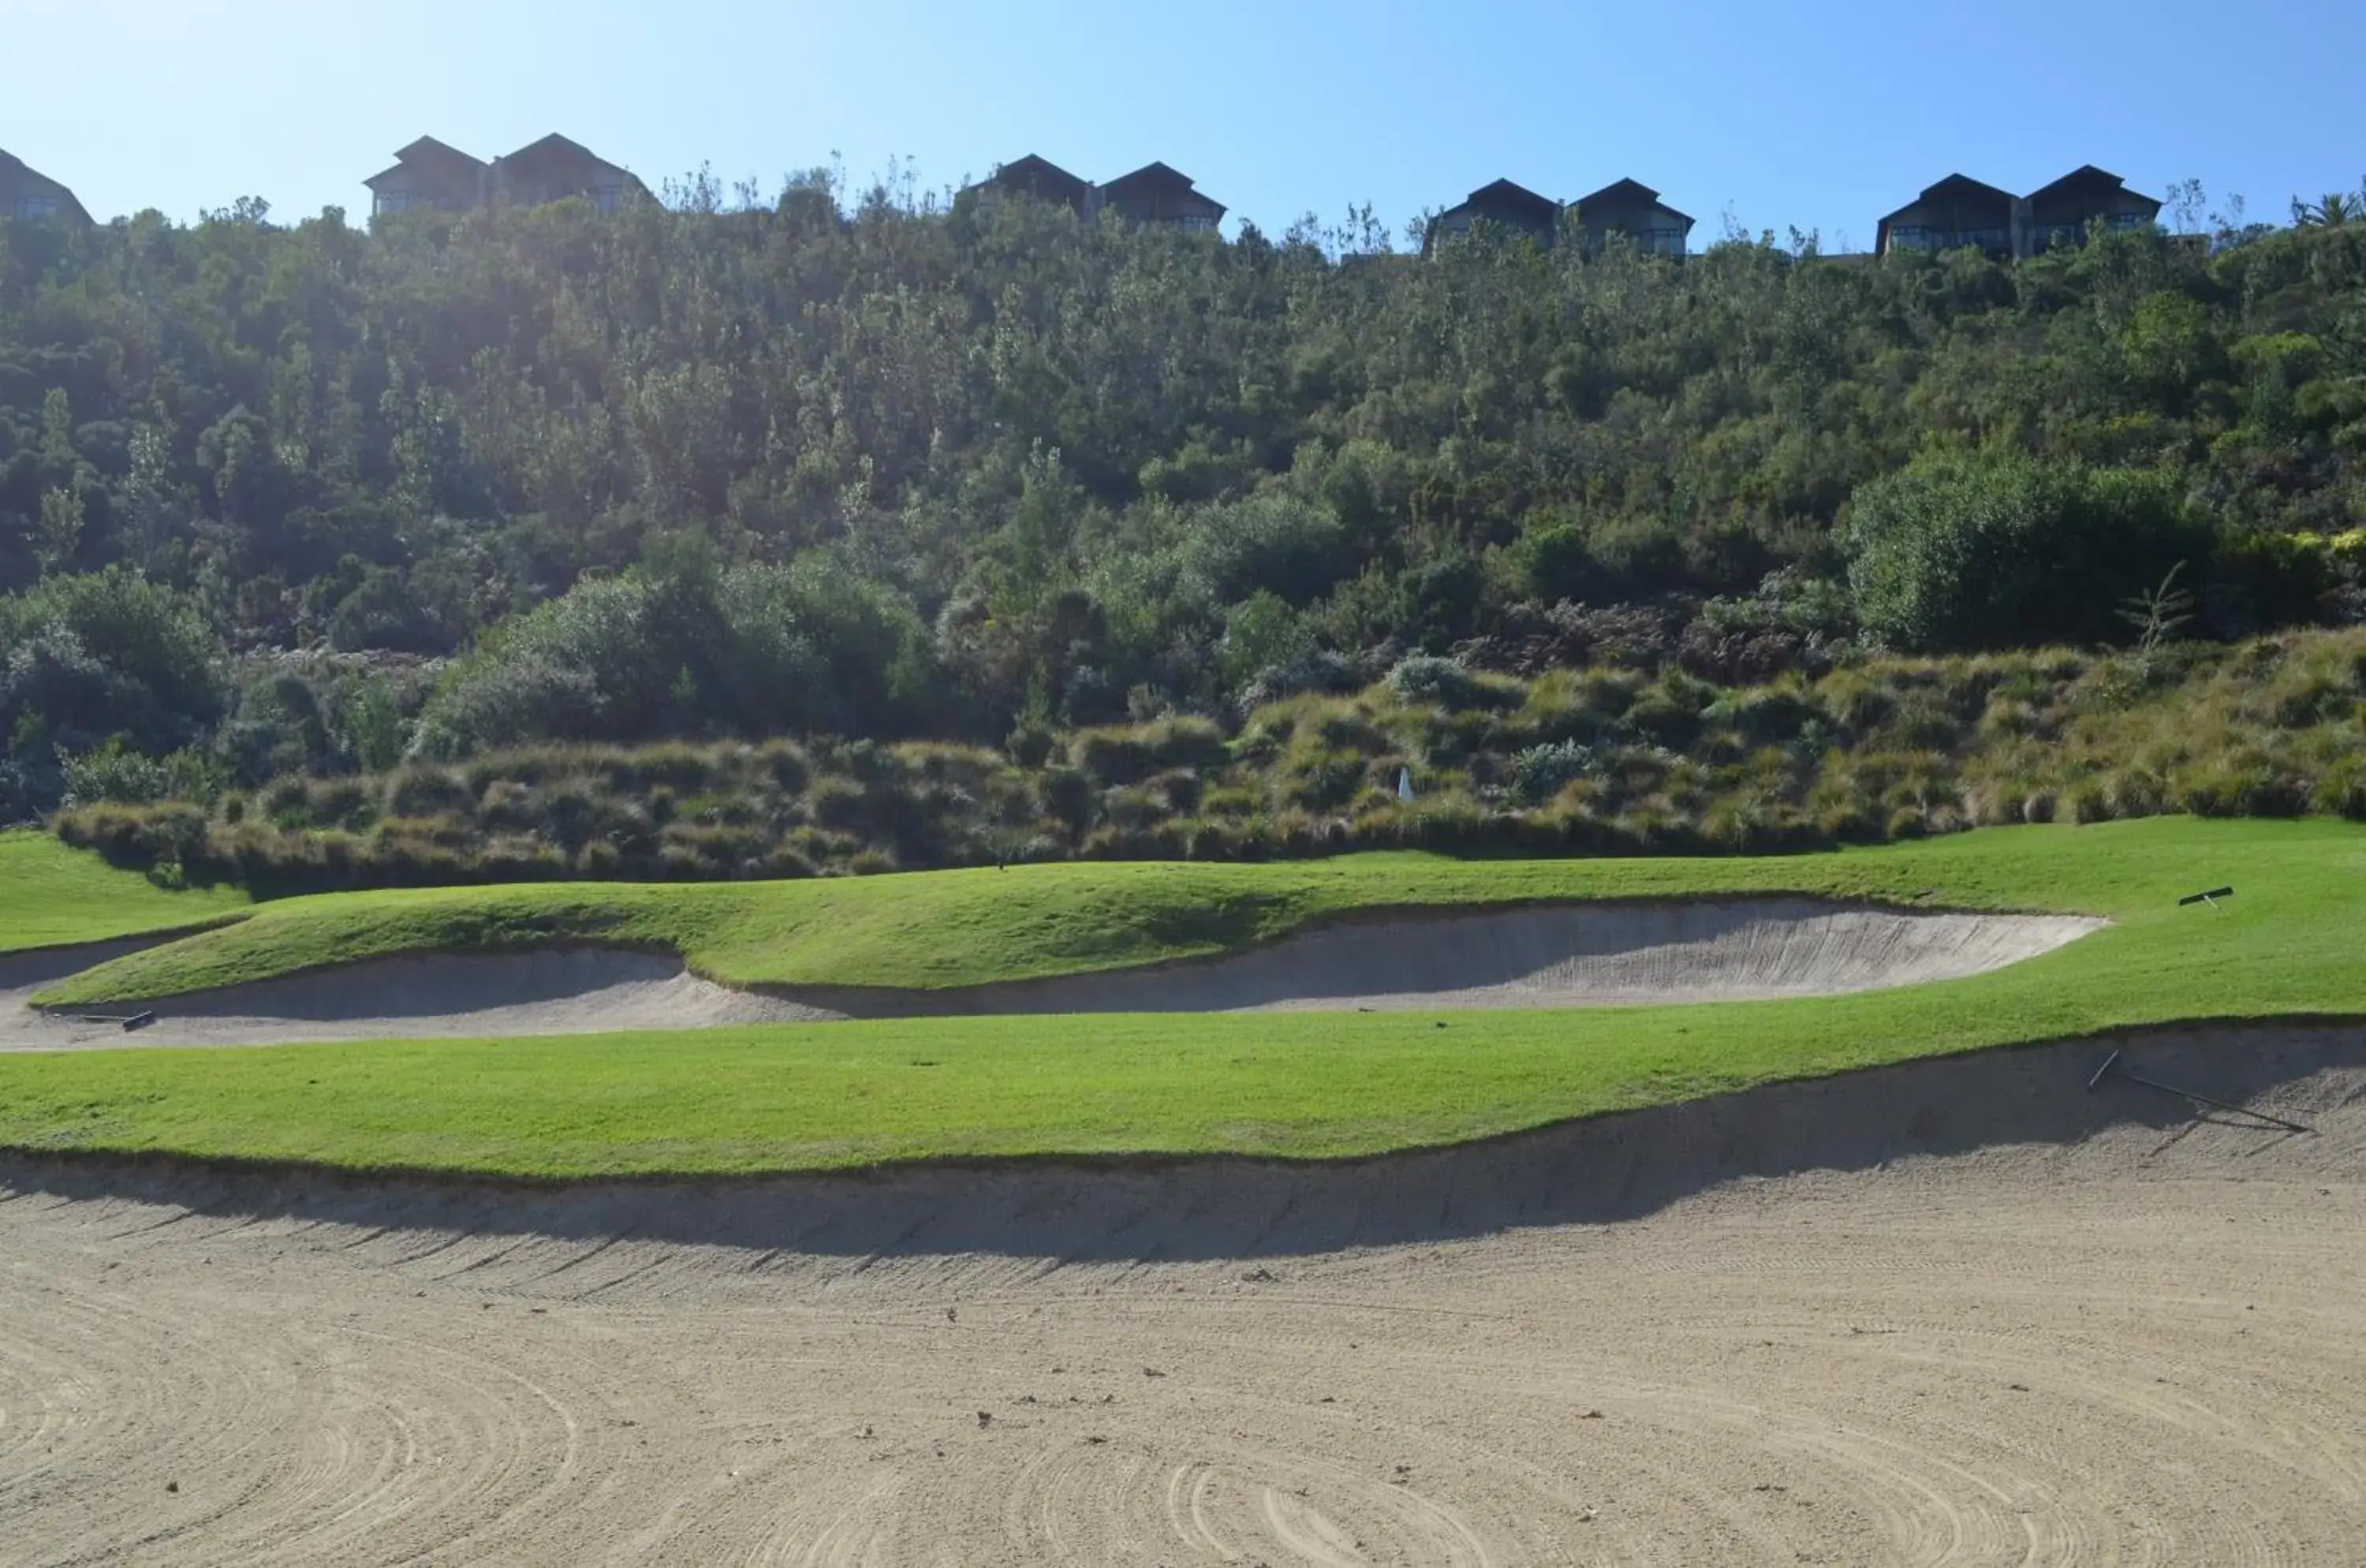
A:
[(607, 198), (1914, 237), (37, 206), (1665, 241), (2128, 221), (1195, 224), (393, 201)]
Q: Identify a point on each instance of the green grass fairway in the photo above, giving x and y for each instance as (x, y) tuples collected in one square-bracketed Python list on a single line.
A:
[(2291, 942), (51, 896)]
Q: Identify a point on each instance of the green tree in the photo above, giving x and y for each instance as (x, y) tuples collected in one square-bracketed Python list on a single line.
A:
[(1998, 551)]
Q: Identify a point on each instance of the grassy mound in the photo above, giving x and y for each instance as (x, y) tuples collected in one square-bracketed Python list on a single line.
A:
[(51, 896), (1301, 1086), (943, 928)]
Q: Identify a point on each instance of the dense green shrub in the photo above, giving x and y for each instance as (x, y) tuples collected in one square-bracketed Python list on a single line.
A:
[(683, 648), (84, 658), (1540, 772), (2000, 550)]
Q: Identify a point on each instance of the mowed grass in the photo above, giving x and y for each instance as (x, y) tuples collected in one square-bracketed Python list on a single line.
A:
[(943, 928), (52, 895), (2291, 942)]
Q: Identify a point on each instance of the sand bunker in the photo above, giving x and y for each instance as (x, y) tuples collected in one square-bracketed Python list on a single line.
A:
[(576, 991), (1962, 1312), (1576, 956), (1579, 955)]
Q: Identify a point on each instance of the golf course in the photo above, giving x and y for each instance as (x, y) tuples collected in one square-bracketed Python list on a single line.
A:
[(1380, 1209), (1353, 1079)]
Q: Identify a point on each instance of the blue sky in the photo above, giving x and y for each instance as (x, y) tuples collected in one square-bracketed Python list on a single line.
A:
[(1823, 116)]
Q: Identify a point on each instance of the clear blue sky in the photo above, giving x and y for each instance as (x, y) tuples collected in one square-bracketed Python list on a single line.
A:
[(1823, 116)]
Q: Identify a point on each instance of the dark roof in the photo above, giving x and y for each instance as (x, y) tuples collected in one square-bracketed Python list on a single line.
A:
[(1954, 185), (553, 148), (427, 149), (550, 157), (16, 171), (1156, 177), (2088, 175), (1505, 192), (1628, 190), (1035, 163), (1621, 187), (428, 152), (1035, 173), (1152, 174)]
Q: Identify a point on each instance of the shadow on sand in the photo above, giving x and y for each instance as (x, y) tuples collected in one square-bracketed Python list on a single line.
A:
[(2034, 1100)]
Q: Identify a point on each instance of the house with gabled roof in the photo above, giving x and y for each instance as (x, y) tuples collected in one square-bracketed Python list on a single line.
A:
[(1634, 210), (1957, 213), (2063, 212), (1960, 213), (1157, 194), (1039, 178), (429, 177), (556, 168), (27, 193), (1503, 205)]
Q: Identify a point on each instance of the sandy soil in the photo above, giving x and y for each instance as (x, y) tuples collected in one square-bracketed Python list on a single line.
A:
[(1961, 1312), (1584, 955)]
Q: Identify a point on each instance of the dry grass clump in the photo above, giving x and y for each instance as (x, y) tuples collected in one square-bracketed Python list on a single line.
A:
[(1576, 762)]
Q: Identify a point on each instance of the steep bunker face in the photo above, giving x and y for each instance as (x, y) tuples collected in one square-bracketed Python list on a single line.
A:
[(1585, 955)]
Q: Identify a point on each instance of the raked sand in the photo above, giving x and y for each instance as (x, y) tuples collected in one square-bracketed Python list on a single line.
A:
[(1960, 1312)]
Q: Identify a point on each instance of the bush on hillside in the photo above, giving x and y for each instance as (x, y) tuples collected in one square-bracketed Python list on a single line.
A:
[(683, 647), (1961, 553)]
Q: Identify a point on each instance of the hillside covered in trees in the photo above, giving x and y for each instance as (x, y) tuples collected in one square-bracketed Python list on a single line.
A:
[(305, 500)]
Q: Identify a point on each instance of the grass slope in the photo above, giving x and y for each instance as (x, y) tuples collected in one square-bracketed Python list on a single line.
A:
[(51, 896), (1294, 1085), (955, 928)]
